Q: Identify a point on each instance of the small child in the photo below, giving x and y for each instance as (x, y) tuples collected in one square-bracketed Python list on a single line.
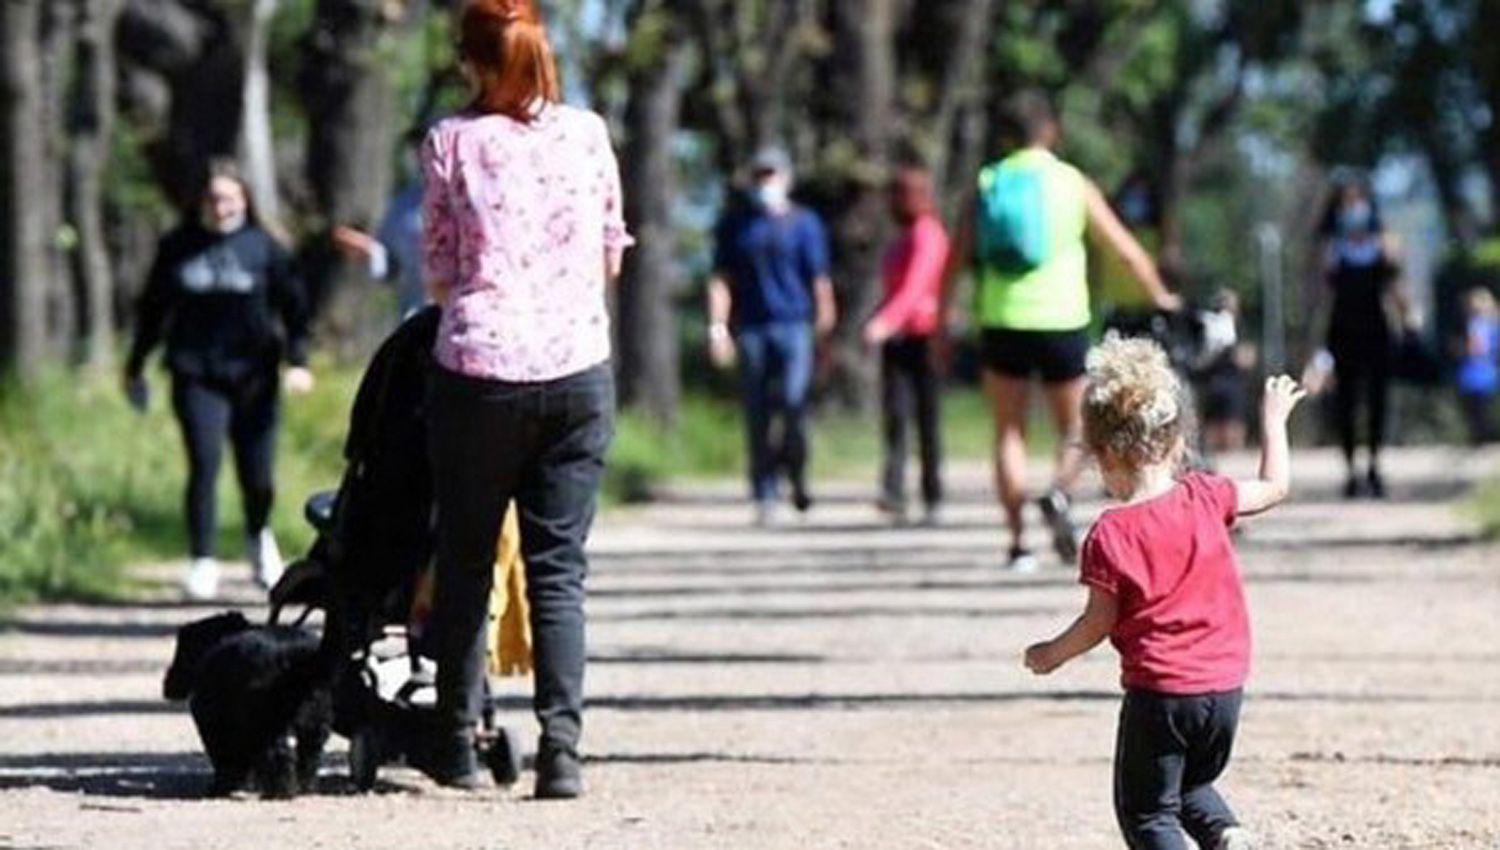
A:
[(1164, 587), (1479, 366)]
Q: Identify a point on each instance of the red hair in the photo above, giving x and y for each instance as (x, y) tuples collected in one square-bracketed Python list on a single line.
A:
[(505, 43)]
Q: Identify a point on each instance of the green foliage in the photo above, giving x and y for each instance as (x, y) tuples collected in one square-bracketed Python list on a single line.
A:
[(88, 486)]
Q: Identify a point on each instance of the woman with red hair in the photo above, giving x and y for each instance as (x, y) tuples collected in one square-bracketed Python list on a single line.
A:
[(522, 232)]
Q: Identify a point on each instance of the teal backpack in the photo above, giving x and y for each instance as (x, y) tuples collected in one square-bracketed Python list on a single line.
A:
[(1011, 232)]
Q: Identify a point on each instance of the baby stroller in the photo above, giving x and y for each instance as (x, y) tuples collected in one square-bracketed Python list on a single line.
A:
[(375, 538)]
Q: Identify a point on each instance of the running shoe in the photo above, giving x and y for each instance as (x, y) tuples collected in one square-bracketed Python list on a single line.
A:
[(1056, 510), (265, 558), (1377, 484), (1021, 561), (201, 583)]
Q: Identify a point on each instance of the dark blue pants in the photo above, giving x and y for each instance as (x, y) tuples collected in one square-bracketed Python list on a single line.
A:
[(542, 445), (1168, 753), (776, 370)]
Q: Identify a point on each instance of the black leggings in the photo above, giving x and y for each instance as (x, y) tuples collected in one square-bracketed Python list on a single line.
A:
[(1362, 376), (247, 410)]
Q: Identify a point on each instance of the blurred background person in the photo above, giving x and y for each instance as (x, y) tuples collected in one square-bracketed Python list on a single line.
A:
[(770, 299), (394, 252), (1027, 236), (1479, 365), (1360, 272), (1223, 363), (902, 330), (224, 294)]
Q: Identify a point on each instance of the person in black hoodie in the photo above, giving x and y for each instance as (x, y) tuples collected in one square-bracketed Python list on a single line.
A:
[(226, 297)]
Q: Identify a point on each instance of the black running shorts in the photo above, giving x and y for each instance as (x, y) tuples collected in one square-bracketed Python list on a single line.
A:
[(1056, 356)]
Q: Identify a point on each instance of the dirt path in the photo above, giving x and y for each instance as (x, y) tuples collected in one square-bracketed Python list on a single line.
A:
[(843, 685)]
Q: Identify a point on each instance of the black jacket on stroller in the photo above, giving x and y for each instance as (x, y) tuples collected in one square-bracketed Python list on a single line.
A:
[(376, 533)]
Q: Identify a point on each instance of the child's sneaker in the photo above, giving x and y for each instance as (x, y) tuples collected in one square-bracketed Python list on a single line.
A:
[(1056, 510), (1021, 561), (265, 558), (201, 583), (1236, 838)]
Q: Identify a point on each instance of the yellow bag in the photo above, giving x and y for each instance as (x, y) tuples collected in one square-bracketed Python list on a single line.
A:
[(508, 634), (510, 615)]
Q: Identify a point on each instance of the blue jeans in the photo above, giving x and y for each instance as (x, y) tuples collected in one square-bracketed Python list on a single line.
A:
[(776, 368)]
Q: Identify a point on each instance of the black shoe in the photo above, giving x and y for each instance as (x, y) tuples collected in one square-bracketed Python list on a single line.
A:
[(1056, 511), (450, 760), (1351, 487), (1377, 484), (558, 774), (801, 500)]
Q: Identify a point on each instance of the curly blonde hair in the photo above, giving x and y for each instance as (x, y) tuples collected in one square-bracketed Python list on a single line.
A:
[(1134, 408)]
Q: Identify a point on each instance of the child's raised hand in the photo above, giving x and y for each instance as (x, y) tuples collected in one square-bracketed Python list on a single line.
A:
[(1039, 658), (1281, 397)]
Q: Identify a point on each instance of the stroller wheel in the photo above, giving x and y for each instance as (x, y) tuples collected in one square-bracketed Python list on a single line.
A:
[(504, 757), (364, 758)]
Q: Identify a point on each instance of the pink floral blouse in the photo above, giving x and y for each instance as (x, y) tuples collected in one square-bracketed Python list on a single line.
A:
[(517, 220)]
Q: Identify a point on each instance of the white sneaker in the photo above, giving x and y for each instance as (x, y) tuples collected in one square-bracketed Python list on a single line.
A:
[(265, 557), (201, 583), (767, 514), (1236, 838), (1022, 562)]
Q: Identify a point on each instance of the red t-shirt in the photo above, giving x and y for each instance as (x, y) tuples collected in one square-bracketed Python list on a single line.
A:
[(1183, 627)]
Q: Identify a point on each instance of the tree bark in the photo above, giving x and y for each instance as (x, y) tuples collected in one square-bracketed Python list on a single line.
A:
[(648, 333), (91, 126), (23, 238), (197, 51), (349, 98), (54, 68), (257, 148), (865, 82)]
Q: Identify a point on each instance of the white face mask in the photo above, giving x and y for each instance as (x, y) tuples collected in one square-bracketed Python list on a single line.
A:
[(772, 196)]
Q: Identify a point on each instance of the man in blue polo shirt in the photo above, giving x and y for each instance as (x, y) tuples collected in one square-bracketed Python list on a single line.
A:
[(769, 299)]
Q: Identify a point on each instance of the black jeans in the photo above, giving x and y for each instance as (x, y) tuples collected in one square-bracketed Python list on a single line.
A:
[(246, 408), (1168, 753), (909, 391), (543, 445)]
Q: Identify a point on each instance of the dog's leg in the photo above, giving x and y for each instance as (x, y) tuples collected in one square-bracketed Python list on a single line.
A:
[(276, 772), (312, 730)]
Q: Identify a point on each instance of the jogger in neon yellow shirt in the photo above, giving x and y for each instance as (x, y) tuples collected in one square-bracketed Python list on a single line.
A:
[(1033, 314)]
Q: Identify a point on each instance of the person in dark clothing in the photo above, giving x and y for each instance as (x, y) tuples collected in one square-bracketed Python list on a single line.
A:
[(1360, 270), (224, 295), (770, 299)]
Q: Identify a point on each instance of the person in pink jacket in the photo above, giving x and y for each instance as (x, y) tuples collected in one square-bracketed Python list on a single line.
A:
[(903, 328)]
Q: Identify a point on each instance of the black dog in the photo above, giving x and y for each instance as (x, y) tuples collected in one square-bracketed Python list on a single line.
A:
[(260, 699)]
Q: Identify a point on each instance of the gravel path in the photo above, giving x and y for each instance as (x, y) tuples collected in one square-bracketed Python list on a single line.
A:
[(841, 684)]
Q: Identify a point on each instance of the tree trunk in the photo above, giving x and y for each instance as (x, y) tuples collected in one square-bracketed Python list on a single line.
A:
[(865, 82), (196, 49), (54, 70), (23, 239), (91, 126), (649, 365), (350, 102), (963, 87), (257, 149)]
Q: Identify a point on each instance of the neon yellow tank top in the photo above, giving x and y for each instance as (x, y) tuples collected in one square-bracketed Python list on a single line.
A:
[(1055, 295)]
